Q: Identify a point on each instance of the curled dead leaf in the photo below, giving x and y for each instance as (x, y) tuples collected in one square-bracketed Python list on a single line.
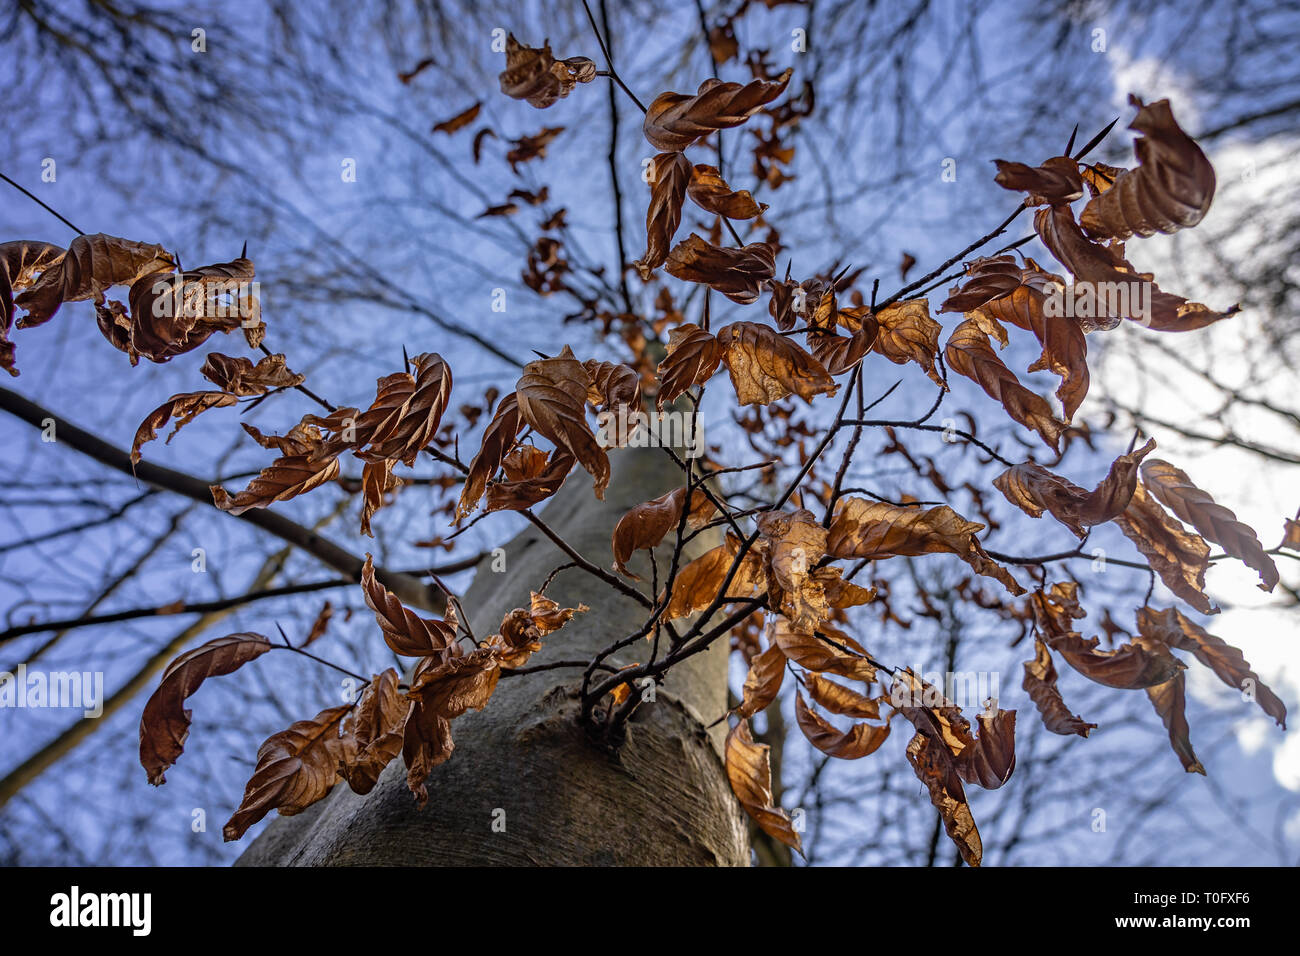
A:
[(908, 334), (969, 353), (165, 723), (183, 407), (1173, 489), (693, 356), (674, 121), (1033, 489), (766, 367), (739, 274), (859, 741), (750, 775), (1171, 188), (873, 529)]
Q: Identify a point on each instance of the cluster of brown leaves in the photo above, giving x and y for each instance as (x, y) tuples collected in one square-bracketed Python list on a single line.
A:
[(536, 76), (169, 314), (353, 742), (399, 424), (1170, 189), (944, 755), (1146, 663), (551, 398)]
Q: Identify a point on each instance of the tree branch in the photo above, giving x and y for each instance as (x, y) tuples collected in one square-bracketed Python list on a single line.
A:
[(409, 589)]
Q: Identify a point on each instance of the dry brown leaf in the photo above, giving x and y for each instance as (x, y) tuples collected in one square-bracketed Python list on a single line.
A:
[(552, 396), (1065, 347), (20, 260), (1174, 628), (372, 732), (459, 121), (1179, 556), (498, 438), (90, 265), (1033, 489), (404, 631), (285, 478), (535, 75), (613, 386), (1056, 181), (404, 435), (183, 407), (819, 655), (905, 265), (524, 462), (1173, 489), (933, 768), (320, 625), (645, 525), (547, 616), (1144, 662), (969, 353), (700, 581), (840, 593), (873, 529), (239, 376), (991, 277), (739, 274), (1099, 177), (859, 741), (426, 743), (987, 760), (165, 723), (839, 353), (908, 334), (377, 482), (710, 192), (762, 682), (1104, 267), (516, 494), (527, 148), (522, 629), (295, 768), (172, 314), (839, 699), (1040, 684), (1170, 700), (795, 544), (479, 137), (451, 684), (750, 775), (766, 367), (674, 121), (990, 761), (1171, 188), (693, 356), (303, 438), (669, 175), (1291, 533)]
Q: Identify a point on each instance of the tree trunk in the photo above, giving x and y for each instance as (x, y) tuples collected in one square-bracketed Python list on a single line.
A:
[(525, 761)]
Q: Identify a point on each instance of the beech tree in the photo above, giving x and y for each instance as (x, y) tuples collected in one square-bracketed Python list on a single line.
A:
[(571, 706)]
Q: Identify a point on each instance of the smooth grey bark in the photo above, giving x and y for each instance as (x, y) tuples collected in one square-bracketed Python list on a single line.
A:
[(661, 799)]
